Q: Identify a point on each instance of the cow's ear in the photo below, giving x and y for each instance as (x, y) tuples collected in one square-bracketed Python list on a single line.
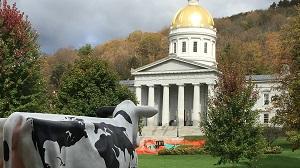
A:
[(105, 112), (145, 111)]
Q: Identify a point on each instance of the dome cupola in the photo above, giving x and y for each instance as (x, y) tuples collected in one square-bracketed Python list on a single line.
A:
[(192, 35), (193, 15)]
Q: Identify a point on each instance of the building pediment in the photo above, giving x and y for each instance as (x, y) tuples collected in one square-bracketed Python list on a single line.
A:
[(172, 65)]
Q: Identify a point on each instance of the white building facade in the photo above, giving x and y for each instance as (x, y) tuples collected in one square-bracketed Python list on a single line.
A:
[(181, 84)]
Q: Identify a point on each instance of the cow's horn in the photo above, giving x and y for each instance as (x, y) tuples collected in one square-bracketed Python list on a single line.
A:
[(146, 111)]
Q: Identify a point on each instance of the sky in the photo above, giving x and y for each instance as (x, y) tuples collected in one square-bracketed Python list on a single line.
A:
[(74, 23)]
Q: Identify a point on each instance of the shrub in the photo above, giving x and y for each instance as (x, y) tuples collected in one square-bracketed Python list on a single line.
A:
[(294, 138), (194, 138), (273, 150), (182, 150)]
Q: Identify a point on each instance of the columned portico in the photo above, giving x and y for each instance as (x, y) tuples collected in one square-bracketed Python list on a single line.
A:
[(181, 106)]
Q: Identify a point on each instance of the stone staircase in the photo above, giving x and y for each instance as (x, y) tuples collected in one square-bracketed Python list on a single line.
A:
[(170, 131)]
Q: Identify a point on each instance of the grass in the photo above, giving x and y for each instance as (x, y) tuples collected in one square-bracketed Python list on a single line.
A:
[(287, 159)]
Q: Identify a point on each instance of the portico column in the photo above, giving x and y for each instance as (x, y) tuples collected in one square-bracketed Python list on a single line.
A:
[(151, 103), (180, 115), (138, 93), (165, 108), (196, 105)]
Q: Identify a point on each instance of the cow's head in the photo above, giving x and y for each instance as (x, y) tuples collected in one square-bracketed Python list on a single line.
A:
[(128, 115)]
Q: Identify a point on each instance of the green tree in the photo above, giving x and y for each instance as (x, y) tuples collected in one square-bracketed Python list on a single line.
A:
[(85, 50), (55, 65), (288, 103), (21, 85), (273, 6), (88, 85), (295, 2), (231, 127), (284, 3), (56, 75)]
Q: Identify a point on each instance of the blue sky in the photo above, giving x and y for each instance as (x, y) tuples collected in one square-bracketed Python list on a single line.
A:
[(73, 23)]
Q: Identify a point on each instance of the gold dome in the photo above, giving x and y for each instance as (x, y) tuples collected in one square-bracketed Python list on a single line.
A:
[(193, 15)]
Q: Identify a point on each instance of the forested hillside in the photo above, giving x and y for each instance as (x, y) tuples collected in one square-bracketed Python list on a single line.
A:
[(251, 39)]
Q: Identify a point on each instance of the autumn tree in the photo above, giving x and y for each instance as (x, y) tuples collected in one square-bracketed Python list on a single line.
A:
[(89, 84), (288, 103), (54, 66), (21, 85), (149, 48), (231, 128)]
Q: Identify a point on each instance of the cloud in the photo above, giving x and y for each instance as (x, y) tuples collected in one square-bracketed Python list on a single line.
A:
[(73, 23)]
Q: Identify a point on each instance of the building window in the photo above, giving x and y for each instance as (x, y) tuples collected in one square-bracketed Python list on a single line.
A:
[(205, 47), (266, 118), (184, 46), (175, 48), (195, 47), (266, 98)]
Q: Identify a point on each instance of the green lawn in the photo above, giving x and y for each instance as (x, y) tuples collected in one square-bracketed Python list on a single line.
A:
[(287, 159)]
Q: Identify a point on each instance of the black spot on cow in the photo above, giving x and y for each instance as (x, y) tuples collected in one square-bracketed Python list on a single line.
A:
[(65, 133), (5, 151), (125, 115), (110, 142), (105, 112)]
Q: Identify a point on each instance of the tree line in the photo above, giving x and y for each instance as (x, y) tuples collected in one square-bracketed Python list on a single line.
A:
[(284, 4)]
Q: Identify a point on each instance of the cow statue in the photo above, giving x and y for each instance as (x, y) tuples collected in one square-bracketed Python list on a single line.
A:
[(33, 140)]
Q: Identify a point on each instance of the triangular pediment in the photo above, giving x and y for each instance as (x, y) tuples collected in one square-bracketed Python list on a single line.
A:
[(171, 64)]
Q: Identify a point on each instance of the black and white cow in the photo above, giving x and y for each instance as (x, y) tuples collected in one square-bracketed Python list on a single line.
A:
[(32, 140)]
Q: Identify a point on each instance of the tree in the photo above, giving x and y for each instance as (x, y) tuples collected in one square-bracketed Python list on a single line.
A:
[(21, 85), (85, 50), (288, 103), (273, 6), (88, 85), (55, 65), (231, 127), (149, 47), (295, 2), (284, 3), (57, 74)]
